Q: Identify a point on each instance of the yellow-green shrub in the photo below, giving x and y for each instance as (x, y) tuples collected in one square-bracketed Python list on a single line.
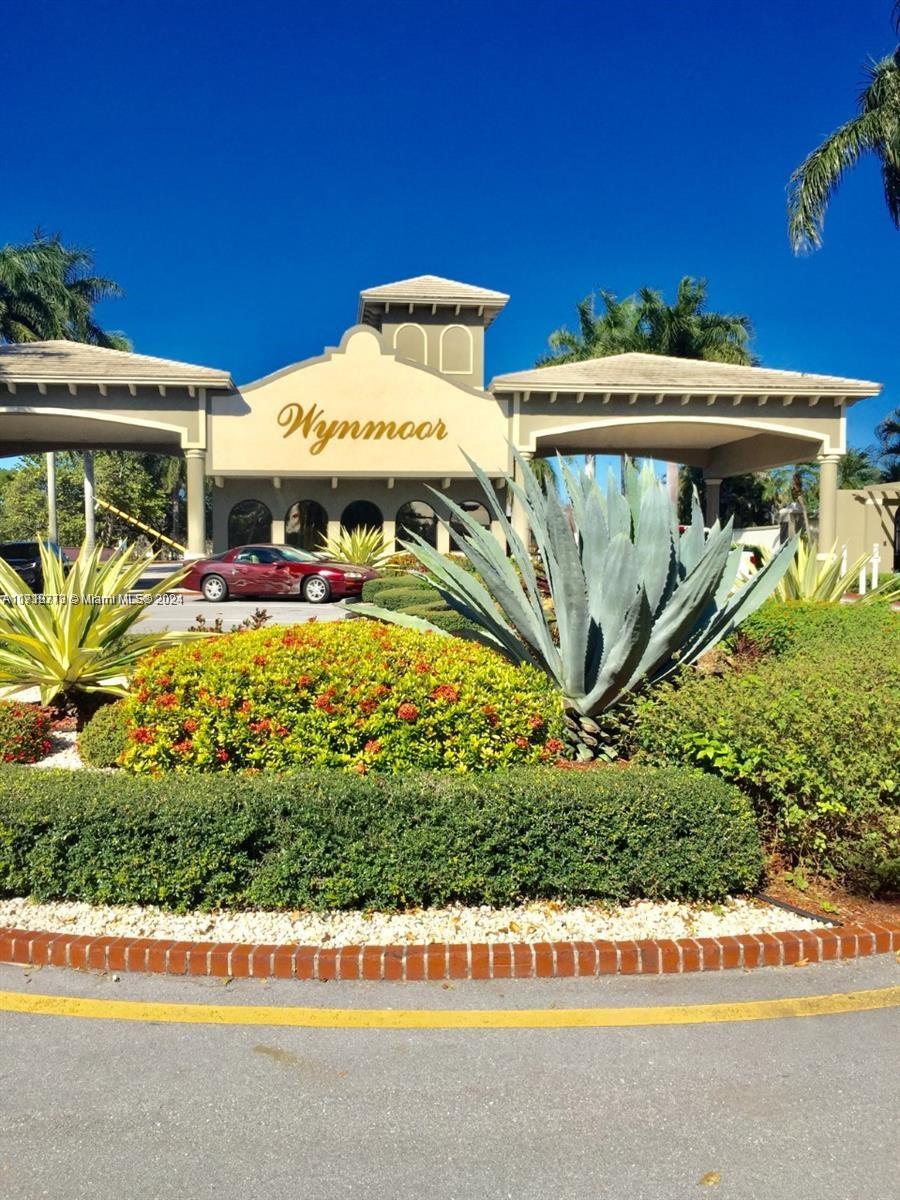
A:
[(352, 694)]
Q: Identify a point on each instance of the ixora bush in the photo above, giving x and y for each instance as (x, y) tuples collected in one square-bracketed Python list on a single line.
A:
[(73, 651), (351, 694), (326, 839), (633, 596), (813, 736), (24, 733)]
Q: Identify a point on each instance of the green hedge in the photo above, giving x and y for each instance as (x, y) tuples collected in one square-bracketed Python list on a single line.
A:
[(319, 840), (813, 735), (785, 628), (412, 594), (104, 738)]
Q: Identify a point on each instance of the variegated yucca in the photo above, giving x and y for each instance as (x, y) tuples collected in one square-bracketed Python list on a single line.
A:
[(70, 649), (365, 546), (634, 596)]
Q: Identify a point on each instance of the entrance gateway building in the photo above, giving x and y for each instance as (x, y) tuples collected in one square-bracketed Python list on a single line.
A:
[(356, 435)]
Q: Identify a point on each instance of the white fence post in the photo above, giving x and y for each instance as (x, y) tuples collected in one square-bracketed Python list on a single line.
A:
[(876, 562)]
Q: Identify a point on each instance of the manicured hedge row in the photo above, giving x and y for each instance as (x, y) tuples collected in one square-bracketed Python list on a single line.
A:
[(812, 734), (410, 593), (326, 839), (787, 628)]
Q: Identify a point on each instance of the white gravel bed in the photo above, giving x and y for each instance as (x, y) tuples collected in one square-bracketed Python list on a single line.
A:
[(534, 922), (63, 753)]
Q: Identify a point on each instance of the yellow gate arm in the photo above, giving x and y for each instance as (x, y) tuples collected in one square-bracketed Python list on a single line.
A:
[(140, 524)]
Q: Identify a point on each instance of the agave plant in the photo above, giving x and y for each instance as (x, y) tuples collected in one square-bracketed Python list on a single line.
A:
[(634, 596), (75, 641), (810, 577), (364, 546)]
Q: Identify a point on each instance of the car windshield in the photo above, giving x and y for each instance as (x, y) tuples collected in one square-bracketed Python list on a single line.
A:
[(19, 550)]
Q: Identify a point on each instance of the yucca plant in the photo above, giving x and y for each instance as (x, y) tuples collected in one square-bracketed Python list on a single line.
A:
[(364, 546), (634, 598), (812, 578), (76, 641)]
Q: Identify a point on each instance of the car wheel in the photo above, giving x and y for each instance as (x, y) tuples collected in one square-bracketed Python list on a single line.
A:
[(214, 588), (316, 589)]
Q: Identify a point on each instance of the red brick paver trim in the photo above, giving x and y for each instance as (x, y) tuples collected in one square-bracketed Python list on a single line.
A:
[(442, 961)]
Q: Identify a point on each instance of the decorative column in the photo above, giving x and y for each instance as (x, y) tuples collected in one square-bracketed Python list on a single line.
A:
[(52, 523), (518, 517), (89, 501), (195, 461), (828, 489), (713, 498), (389, 531)]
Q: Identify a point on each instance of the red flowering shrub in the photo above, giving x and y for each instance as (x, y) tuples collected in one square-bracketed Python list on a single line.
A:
[(351, 694), (24, 732)]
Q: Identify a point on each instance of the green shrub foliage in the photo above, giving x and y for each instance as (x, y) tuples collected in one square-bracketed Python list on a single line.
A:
[(784, 628), (24, 732), (812, 735), (330, 839), (351, 694), (103, 740)]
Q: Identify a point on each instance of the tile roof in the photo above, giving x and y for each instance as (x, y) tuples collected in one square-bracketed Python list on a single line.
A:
[(75, 362), (434, 289), (660, 373)]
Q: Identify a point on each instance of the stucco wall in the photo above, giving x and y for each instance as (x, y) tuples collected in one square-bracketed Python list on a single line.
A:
[(865, 519)]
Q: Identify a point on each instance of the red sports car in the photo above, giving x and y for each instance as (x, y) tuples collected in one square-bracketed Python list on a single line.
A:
[(268, 570)]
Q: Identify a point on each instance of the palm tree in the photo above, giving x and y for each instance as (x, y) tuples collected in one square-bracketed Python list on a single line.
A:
[(47, 291), (646, 323), (874, 130), (888, 434)]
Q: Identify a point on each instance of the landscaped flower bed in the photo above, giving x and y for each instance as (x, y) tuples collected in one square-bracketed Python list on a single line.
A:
[(24, 732), (350, 694)]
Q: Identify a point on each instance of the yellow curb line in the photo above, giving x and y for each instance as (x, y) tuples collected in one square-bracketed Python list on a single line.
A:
[(400, 1018)]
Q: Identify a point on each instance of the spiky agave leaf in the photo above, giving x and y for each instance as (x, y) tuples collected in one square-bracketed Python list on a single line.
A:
[(634, 597)]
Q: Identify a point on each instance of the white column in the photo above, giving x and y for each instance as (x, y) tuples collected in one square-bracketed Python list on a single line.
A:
[(278, 530), (672, 482), (828, 489), (713, 498), (518, 516), (52, 524), (389, 531), (195, 461), (443, 538), (89, 502)]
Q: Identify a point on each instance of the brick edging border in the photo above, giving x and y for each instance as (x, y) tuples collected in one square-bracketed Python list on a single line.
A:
[(442, 961)]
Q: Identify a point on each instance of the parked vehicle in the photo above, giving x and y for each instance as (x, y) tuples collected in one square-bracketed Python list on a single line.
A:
[(267, 570), (25, 559)]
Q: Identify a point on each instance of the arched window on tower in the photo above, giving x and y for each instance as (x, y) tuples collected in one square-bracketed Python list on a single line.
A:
[(409, 342), (456, 350)]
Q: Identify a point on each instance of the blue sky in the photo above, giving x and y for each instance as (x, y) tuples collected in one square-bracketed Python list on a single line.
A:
[(245, 169)]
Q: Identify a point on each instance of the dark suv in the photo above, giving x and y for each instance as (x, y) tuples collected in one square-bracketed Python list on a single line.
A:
[(25, 557)]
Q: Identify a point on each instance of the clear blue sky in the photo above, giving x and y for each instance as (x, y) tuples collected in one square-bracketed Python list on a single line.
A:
[(243, 169)]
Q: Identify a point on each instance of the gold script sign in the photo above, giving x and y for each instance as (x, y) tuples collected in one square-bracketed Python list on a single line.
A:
[(318, 430)]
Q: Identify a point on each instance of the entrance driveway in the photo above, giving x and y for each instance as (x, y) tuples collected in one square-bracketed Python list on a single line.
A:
[(182, 611), (785, 1109)]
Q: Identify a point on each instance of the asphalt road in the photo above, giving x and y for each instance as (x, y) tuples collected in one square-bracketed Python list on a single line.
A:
[(178, 611), (788, 1109)]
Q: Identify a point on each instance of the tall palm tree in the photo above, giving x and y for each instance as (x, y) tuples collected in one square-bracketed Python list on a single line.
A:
[(48, 290), (874, 130), (645, 322), (888, 434)]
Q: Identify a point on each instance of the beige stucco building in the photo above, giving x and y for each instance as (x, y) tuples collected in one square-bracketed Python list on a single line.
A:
[(359, 434)]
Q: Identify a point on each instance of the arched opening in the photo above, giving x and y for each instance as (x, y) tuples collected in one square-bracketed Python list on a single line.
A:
[(456, 350), (249, 521), (416, 517), (409, 342), (305, 524), (476, 511), (361, 514)]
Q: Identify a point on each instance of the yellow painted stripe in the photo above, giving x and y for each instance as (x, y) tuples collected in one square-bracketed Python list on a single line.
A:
[(435, 1018)]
